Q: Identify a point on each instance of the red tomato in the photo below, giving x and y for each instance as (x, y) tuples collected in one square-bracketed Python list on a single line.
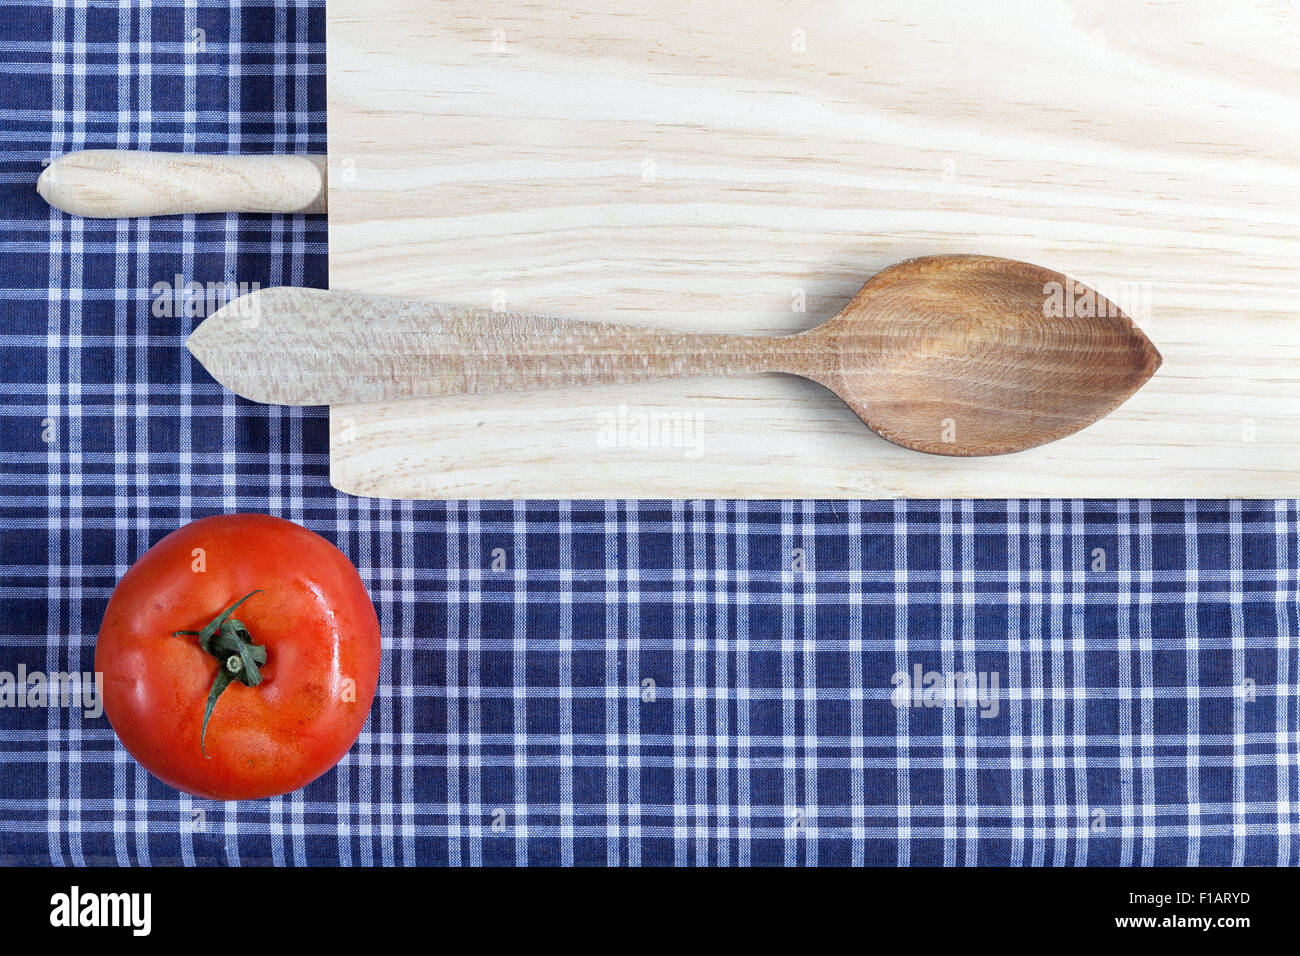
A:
[(308, 609)]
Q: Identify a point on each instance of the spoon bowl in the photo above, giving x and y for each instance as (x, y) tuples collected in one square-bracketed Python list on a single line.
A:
[(972, 355)]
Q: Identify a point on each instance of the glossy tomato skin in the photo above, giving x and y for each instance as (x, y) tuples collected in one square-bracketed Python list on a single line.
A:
[(315, 620)]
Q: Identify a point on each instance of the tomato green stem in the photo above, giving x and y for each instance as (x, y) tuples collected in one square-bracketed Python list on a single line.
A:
[(227, 639)]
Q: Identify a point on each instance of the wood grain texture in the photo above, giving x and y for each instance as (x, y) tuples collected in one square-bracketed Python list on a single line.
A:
[(113, 183), (747, 164), (292, 346)]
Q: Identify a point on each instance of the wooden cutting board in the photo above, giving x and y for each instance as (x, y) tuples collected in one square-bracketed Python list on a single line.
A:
[(744, 166)]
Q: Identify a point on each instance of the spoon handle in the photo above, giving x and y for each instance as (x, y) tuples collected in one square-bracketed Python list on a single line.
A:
[(113, 183), (289, 346)]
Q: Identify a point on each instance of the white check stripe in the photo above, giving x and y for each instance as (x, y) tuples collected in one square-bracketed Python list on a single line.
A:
[(1191, 558), (1239, 704), (1287, 811), (857, 729), (1056, 643), (1014, 679), (1147, 679), (565, 681), (613, 703), (903, 749)]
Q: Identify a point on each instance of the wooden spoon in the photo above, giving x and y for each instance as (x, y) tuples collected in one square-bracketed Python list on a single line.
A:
[(953, 355), (123, 183)]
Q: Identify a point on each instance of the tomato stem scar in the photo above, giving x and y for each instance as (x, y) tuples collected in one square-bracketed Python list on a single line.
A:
[(227, 639)]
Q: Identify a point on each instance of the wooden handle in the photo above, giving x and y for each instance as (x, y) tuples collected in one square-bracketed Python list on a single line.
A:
[(291, 346), (110, 183)]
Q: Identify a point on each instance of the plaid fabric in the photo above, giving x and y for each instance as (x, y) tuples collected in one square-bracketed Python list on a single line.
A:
[(647, 682)]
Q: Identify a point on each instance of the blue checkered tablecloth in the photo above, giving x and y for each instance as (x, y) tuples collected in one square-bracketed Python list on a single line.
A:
[(662, 682)]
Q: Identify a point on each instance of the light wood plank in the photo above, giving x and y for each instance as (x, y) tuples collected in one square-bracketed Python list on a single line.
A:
[(644, 162)]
